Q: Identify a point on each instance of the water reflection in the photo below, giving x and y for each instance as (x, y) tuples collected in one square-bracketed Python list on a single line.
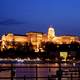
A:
[(40, 70), (35, 70)]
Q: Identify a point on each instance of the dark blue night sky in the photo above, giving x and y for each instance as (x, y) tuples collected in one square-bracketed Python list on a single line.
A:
[(21, 16)]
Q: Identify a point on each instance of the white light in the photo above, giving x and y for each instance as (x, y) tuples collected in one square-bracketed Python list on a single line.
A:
[(20, 60), (28, 59), (65, 64), (74, 64), (56, 64), (38, 59)]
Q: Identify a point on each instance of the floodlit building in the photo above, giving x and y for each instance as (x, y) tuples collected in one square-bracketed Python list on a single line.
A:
[(51, 33), (36, 38), (64, 39)]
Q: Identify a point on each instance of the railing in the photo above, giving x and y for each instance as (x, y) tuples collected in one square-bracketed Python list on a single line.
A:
[(72, 73)]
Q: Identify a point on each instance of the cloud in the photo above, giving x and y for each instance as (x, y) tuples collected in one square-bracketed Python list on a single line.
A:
[(10, 22)]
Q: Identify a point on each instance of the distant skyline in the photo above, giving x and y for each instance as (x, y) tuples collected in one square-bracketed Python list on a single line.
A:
[(21, 16)]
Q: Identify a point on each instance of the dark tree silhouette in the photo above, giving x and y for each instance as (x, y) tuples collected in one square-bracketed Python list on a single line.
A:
[(50, 50)]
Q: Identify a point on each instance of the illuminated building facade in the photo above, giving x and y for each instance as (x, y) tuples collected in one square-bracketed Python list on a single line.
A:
[(51, 33), (36, 38), (9, 40)]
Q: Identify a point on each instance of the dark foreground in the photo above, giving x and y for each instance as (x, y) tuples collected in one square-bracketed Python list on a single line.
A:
[(39, 71)]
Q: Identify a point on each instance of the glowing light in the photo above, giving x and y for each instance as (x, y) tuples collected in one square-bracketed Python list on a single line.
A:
[(28, 59), (56, 64), (64, 55), (3, 44), (19, 60), (74, 64), (38, 59), (51, 33), (65, 64)]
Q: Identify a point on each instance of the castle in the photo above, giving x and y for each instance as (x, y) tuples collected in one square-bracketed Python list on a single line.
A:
[(36, 38)]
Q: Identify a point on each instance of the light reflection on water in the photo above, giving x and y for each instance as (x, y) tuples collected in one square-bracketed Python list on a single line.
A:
[(45, 71), (30, 70)]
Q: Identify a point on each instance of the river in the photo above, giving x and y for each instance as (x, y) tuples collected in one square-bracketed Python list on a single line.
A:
[(40, 71)]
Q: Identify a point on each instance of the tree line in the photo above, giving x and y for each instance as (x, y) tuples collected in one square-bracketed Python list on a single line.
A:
[(50, 50)]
